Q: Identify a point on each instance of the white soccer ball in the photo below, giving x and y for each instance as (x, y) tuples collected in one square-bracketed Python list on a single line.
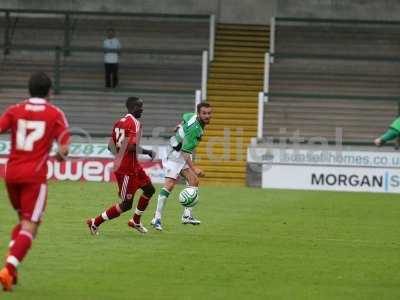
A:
[(188, 197)]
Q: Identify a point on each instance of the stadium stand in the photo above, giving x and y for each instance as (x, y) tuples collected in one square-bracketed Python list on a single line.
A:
[(235, 78), (160, 61), (360, 120), (95, 113), (326, 76), (340, 38)]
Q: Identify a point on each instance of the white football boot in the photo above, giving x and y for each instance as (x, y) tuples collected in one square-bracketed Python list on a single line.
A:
[(156, 223), (190, 220)]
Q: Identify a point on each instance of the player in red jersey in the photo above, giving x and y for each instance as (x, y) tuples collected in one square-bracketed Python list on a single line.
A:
[(124, 144), (34, 125)]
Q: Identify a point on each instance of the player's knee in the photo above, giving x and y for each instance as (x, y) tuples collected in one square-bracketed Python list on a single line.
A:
[(30, 227), (193, 181), (169, 184), (126, 205), (149, 190)]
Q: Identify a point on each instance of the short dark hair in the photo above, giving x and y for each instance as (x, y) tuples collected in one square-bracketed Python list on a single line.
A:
[(202, 104), (39, 85), (131, 102)]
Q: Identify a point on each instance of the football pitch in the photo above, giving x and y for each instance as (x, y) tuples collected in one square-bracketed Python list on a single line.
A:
[(252, 244)]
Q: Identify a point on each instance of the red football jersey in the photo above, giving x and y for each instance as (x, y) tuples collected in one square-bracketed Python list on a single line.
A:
[(35, 124), (126, 131)]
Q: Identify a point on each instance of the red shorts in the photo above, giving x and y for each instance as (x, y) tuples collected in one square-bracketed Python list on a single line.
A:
[(129, 184), (28, 199)]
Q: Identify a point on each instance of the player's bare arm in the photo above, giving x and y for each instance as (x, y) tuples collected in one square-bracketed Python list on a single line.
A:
[(191, 165), (62, 153), (391, 133), (177, 126), (378, 142), (111, 146)]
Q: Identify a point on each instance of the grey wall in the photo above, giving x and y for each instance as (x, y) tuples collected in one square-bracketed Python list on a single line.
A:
[(341, 9), (141, 6), (247, 11), (228, 11)]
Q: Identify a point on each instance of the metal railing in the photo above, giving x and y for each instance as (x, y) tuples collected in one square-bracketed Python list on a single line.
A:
[(99, 13), (212, 37), (369, 58), (272, 30), (336, 21), (204, 76), (7, 44), (67, 48), (59, 51)]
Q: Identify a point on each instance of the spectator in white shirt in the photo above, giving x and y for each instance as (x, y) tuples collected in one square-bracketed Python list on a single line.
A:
[(112, 48)]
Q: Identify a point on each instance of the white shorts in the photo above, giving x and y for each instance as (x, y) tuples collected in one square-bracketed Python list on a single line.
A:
[(174, 164)]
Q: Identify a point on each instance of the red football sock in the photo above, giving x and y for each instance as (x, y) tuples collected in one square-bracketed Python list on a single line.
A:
[(14, 234), (18, 251), (140, 208), (111, 213)]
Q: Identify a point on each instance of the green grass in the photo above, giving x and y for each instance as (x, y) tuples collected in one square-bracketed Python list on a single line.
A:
[(253, 244)]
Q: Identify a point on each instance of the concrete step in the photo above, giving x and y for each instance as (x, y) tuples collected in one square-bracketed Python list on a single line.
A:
[(245, 82), (239, 59), (233, 140), (242, 49), (226, 74), (259, 72), (218, 132), (232, 118), (237, 54), (226, 175), (251, 100), (234, 113), (230, 87), (216, 92), (222, 104), (238, 65), (223, 163), (227, 26), (223, 36), (232, 123), (230, 153), (241, 32), (221, 181), (263, 45), (228, 169)]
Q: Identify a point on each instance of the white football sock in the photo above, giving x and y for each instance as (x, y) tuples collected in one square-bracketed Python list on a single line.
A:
[(162, 198), (187, 212)]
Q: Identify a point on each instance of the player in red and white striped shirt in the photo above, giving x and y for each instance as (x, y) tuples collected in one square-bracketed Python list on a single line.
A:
[(34, 124), (124, 143)]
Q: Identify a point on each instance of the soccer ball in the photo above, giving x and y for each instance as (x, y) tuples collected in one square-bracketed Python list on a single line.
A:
[(188, 197)]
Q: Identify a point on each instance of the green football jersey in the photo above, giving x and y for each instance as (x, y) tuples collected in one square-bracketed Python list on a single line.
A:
[(396, 124), (189, 133)]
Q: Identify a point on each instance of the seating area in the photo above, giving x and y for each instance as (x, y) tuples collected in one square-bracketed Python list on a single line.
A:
[(316, 95), (359, 121), (160, 62), (335, 77), (96, 112), (350, 39), (47, 30), (157, 54)]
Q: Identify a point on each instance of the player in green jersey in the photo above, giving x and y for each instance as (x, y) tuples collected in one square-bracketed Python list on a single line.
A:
[(179, 160), (392, 133)]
